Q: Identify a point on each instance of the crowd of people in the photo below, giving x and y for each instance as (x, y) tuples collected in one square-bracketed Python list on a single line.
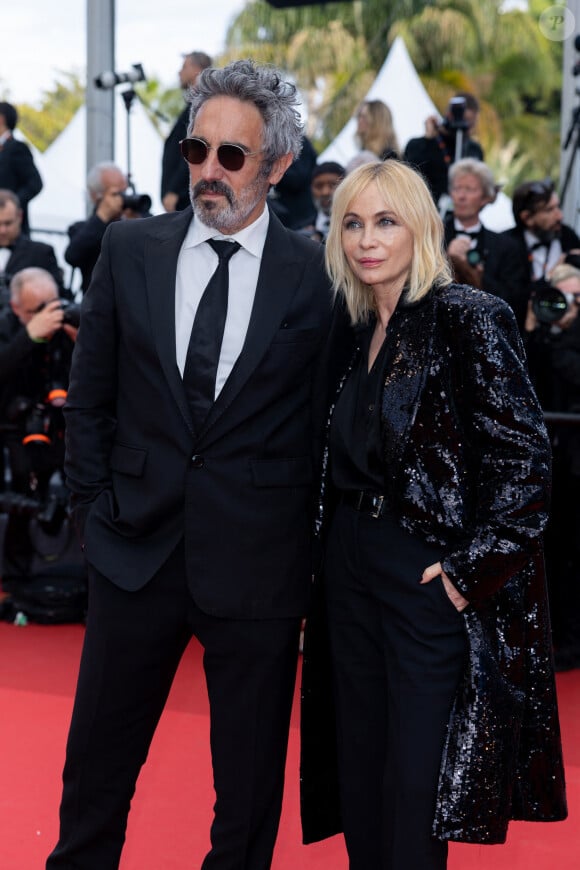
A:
[(356, 442)]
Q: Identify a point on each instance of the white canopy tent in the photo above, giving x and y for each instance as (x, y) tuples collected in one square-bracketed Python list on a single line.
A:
[(398, 85), (64, 171), (63, 199)]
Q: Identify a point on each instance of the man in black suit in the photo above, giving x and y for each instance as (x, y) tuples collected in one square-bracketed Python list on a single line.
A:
[(35, 352), (106, 186), (17, 169), (541, 240), (196, 523), (479, 256), (18, 252), (434, 152), (174, 174)]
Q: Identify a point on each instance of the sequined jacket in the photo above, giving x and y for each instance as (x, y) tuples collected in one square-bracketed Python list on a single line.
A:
[(467, 466)]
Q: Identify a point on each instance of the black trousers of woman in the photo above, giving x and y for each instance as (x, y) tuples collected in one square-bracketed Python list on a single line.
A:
[(398, 649)]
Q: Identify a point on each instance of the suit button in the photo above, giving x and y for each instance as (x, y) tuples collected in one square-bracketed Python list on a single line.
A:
[(197, 461)]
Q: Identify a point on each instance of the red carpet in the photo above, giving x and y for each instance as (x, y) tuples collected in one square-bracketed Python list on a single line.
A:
[(174, 796)]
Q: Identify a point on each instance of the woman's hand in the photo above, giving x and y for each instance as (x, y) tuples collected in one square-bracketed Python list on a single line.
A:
[(456, 598)]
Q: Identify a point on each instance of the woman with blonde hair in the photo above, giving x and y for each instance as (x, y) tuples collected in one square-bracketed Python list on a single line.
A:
[(433, 498), (375, 129)]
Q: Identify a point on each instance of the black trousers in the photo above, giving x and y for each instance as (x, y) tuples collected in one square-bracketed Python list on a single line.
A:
[(133, 645), (398, 649)]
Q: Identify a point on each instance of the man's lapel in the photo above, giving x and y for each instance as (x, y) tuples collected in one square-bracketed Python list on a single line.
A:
[(161, 253)]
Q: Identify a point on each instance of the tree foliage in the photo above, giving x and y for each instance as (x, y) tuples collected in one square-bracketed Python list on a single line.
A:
[(57, 106), (334, 51)]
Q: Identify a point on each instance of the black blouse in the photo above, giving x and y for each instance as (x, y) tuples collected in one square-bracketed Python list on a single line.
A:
[(355, 434)]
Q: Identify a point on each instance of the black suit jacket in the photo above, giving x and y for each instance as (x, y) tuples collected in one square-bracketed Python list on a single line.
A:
[(504, 274), (240, 490), (84, 247), (19, 174), (515, 235), (174, 171), (27, 253), (432, 157)]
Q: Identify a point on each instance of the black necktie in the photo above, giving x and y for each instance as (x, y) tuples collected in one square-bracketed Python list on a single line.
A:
[(205, 342)]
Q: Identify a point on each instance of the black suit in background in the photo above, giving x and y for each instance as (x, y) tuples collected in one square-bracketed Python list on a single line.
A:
[(519, 301), (503, 271), (19, 174), (174, 172), (84, 247), (185, 532), (25, 253), (433, 156), (291, 199)]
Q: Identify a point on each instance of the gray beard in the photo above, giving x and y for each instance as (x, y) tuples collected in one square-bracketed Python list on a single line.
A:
[(227, 219)]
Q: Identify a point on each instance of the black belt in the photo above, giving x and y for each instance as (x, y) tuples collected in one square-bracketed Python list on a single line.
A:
[(370, 503)]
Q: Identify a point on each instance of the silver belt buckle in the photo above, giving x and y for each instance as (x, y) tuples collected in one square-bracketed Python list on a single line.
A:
[(377, 506)]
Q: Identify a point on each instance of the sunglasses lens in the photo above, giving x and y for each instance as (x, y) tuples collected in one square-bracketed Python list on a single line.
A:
[(194, 150), (231, 157)]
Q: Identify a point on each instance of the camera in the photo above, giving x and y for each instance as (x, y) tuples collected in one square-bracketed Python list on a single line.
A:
[(548, 303), (139, 202), (457, 120), (107, 80), (474, 258), (71, 313), (573, 260)]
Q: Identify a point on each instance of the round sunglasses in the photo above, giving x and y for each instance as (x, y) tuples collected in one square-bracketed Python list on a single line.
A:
[(231, 157)]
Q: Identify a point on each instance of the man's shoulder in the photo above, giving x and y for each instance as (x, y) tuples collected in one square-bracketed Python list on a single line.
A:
[(25, 245), (569, 237)]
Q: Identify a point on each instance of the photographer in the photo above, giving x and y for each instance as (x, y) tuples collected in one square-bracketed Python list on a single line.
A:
[(542, 241), (107, 188), (36, 344), (17, 251), (433, 153), (478, 256), (555, 309)]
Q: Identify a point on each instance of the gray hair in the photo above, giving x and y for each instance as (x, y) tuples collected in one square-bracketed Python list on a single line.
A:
[(7, 196), (95, 184), (470, 166), (30, 273), (264, 86)]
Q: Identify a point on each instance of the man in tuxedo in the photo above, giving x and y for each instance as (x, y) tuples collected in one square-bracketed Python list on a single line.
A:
[(194, 510), (18, 172), (478, 256), (18, 252), (542, 241), (174, 175)]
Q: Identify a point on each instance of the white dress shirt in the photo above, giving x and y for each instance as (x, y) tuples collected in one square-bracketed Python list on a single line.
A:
[(543, 258), (196, 264)]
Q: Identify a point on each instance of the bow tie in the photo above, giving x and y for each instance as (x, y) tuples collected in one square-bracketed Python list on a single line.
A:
[(538, 245), (473, 234)]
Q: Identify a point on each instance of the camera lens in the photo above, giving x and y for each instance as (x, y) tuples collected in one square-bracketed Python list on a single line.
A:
[(139, 202), (549, 304), (473, 257)]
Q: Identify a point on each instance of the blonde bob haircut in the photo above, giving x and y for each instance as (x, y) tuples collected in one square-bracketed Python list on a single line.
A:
[(406, 194)]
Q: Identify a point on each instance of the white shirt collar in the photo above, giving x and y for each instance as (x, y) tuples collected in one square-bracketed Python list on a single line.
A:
[(459, 228)]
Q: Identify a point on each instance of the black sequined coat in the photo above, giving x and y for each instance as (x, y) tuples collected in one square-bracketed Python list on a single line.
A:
[(467, 466)]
